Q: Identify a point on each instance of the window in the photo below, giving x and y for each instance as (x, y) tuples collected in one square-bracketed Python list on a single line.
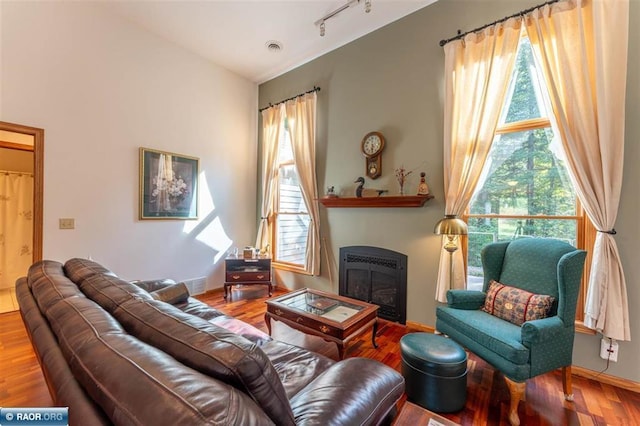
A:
[(290, 212), (525, 190)]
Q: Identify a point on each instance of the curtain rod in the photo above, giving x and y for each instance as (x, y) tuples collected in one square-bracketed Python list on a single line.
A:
[(521, 13), (315, 89)]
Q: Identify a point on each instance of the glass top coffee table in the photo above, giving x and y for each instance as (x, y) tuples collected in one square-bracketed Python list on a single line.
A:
[(334, 318)]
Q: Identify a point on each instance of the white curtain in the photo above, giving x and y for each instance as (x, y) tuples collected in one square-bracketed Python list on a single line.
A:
[(476, 81), (582, 46), (16, 226), (271, 127), (301, 116)]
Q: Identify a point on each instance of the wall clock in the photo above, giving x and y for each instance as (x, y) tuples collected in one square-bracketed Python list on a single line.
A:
[(372, 146)]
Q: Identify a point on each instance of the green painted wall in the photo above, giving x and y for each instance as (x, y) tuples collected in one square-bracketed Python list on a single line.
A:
[(391, 81)]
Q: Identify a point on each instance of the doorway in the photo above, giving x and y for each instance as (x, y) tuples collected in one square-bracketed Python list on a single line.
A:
[(21, 212)]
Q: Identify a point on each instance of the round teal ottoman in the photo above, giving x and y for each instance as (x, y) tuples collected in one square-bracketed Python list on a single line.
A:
[(435, 371)]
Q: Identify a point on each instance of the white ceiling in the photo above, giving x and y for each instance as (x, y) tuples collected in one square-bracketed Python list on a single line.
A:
[(234, 33)]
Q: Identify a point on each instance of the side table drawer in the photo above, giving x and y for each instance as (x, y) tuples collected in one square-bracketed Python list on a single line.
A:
[(248, 276)]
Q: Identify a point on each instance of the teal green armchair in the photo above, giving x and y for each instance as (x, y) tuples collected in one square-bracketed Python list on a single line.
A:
[(537, 265)]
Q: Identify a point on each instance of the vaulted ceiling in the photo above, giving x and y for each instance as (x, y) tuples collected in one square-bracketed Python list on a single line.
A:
[(236, 33)]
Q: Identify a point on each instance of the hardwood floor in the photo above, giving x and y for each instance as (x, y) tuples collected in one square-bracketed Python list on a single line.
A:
[(487, 394), (22, 383)]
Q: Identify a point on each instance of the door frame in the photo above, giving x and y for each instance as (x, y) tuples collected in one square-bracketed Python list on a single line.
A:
[(38, 180)]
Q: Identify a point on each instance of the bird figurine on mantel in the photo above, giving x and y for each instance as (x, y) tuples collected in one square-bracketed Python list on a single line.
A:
[(362, 192)]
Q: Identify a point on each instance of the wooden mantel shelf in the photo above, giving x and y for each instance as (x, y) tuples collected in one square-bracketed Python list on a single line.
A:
[(382, 201)]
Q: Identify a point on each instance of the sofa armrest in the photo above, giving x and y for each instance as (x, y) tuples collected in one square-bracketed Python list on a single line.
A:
[(465, 299), (153, 285), (355, 391), (542, 330), (173, 294)]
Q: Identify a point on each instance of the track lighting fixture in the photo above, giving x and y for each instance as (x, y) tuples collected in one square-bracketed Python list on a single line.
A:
[(321, 22)]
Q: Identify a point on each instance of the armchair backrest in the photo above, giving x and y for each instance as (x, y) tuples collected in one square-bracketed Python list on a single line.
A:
[(538, 265)]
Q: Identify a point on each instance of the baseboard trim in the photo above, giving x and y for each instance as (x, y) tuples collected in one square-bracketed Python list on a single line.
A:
[(416, 326), (578, 371), (606, 378)]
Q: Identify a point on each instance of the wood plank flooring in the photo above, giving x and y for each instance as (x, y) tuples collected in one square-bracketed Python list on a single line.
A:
[(22, 383), (487, 394)]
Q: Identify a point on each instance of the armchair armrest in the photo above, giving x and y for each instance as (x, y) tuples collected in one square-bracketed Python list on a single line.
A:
[(465, 299), (542, 330), (355, 391)]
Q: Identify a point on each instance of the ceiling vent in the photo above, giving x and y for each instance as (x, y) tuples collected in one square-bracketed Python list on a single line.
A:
[(274, 46)]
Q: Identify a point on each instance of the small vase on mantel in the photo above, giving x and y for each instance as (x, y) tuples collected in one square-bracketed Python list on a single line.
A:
[(401, 177)]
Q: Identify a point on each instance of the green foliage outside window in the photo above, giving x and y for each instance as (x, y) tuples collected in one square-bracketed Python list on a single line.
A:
[(525, 175)]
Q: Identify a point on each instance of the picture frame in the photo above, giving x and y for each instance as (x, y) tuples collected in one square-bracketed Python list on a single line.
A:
[(168, 185)]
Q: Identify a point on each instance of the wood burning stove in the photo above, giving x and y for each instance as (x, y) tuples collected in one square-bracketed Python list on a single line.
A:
[(375, 275)]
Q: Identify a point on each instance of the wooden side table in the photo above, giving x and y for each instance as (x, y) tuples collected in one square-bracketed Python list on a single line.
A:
[(251, 271)]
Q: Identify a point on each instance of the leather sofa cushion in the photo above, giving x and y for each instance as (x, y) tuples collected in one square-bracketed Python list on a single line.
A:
[(195, 307), (136, 383), (153, 285), (195, 342), (63, 387), (49, 285), (110, 292), (295, 366), (333, 392), (78, 269), (241, 328)]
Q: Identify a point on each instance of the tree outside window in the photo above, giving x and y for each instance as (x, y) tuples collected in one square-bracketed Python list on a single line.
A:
[(525, 190)]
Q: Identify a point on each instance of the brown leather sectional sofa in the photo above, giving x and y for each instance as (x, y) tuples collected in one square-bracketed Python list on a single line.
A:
[(115, 354)]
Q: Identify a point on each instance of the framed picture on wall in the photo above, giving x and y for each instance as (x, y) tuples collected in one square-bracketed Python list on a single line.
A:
[(168, 185)]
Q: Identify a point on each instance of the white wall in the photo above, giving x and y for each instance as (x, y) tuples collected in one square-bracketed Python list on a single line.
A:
[(101, 88)]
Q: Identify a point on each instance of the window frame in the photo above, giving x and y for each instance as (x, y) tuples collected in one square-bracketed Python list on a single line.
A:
[(585, 231), (273, 220)]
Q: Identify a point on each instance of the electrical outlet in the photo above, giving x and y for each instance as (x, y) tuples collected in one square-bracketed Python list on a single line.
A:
[(67, 223), (609, 349)]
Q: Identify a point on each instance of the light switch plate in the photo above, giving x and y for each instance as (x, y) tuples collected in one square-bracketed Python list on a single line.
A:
[(67, 223)]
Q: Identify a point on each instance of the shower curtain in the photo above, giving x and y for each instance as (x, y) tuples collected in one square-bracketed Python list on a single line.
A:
[(16, 226)]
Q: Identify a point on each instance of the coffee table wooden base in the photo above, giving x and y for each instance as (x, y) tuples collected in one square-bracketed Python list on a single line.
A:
[(340, 343)]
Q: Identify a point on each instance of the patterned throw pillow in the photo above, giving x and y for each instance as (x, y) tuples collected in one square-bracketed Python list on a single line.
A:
[(515, 305)]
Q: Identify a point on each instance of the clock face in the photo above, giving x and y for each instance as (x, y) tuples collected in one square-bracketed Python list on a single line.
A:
[(372, 144)]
